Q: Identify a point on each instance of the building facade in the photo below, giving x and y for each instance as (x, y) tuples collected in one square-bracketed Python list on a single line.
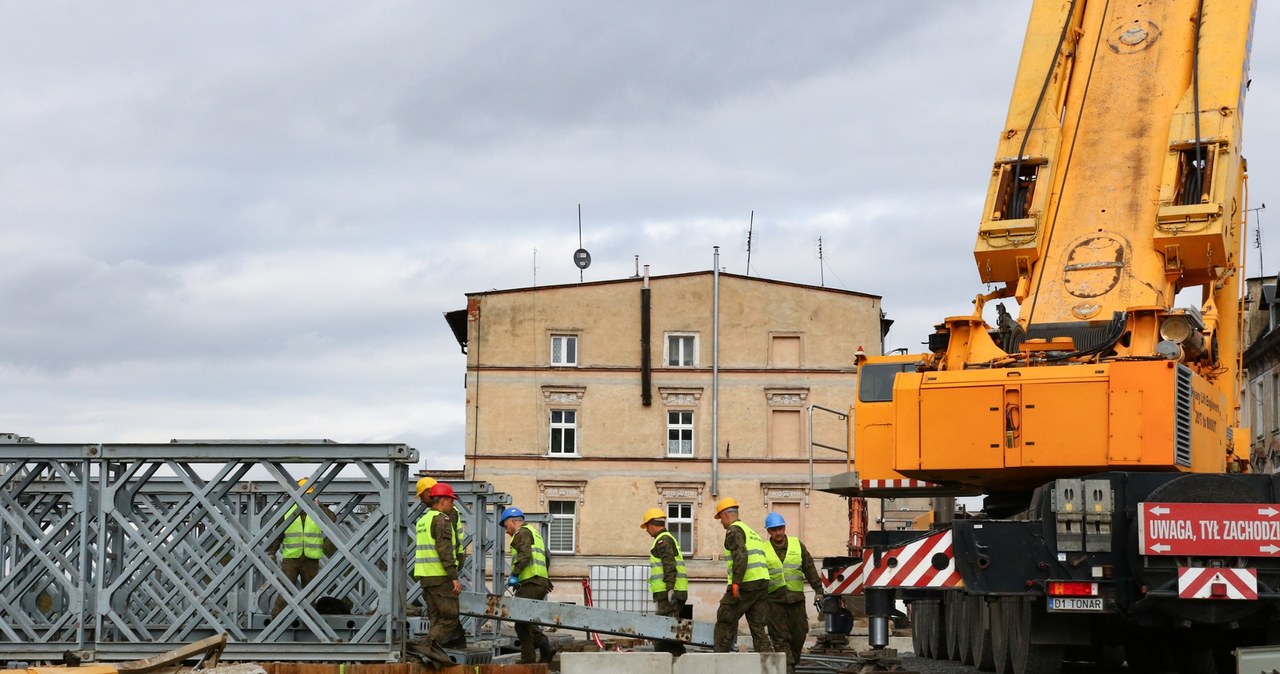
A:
[(594, 402), (1260, 399)]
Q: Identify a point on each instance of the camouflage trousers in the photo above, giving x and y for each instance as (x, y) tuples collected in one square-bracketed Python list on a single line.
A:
[(530, 635), (753, 603), (788, 628), (442, 608), (296, 569), (672, 609)]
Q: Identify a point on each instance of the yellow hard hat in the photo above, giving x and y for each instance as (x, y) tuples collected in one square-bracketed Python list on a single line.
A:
[(425, 484), (651, 515), (302, 481), (725, 504)]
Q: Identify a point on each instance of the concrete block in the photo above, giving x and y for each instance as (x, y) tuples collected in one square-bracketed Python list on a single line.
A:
[(730, 663), (617, 663), (858, 642)]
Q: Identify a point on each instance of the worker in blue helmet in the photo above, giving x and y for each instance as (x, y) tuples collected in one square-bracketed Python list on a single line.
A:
[(531, 580), (790, 567)]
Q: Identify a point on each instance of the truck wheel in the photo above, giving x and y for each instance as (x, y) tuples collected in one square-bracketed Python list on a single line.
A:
[(979, 619), (951, 615), (964, 628), (1001, 615), (1029, 658)]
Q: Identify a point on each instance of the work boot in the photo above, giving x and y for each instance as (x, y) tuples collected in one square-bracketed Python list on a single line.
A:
[(546, 651)]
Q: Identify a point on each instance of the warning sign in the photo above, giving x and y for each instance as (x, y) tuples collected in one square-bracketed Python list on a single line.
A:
[(1209, 529)]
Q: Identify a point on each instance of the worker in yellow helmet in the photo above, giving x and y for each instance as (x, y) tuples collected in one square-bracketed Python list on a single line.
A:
[(747, 583), (301, 545), (668, 579)]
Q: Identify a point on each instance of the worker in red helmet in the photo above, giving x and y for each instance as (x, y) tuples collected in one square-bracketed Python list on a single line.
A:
[(435, 563)]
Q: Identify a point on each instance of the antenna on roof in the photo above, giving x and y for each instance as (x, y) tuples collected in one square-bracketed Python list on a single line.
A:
[(750, 226), (1257, 237), (580, 256), (822, 279)]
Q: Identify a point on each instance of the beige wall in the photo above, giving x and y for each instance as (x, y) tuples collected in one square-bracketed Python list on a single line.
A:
[(622, 466)]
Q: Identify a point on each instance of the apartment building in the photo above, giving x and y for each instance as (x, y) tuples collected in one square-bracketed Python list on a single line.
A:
[(595, 401), (1260, 397)]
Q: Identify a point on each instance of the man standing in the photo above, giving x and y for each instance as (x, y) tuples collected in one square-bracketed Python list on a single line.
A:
[(459, 637), (529, 577), (301, 546), (747, 582), (435, 563), (668, 580), (790, 565)]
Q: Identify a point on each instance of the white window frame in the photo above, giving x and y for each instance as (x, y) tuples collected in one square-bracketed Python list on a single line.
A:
[(681, 427), (680, 361), (676, 521), (559, 519), (568, 350), (571, 426), (1259, 423)]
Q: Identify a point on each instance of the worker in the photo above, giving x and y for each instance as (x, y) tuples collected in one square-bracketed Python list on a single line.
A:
[(668, 580), (530, 579), (790, 565), (435, 563), (747, 583), (459, 638), (301, 545), (459, 531)]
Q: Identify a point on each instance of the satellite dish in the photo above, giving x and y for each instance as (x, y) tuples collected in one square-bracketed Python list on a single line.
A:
[(582, 258)]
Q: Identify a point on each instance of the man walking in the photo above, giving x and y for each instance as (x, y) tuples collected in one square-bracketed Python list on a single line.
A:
[(668, 580), (747, 582), (435, 563), (459, 637), (790, 566), (530, 579)]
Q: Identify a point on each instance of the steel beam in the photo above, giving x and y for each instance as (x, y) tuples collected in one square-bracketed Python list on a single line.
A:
[(574, 617)]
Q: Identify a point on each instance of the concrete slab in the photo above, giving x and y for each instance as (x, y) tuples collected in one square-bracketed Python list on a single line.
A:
[(858, 642), (730, 663), (619, 663)]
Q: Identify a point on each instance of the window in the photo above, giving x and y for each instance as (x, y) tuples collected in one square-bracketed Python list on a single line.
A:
[(784, 434), (564, 433), (875, 382), (561, 532), (784, 351), (680, 524), (1257, 408), (680, 433), (682, 350), (1275, 402), (564, 350)]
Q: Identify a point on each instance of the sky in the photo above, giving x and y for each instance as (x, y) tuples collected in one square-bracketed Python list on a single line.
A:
[(244, 220)]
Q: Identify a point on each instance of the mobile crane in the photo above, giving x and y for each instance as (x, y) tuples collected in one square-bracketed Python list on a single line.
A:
[(1101, 423)]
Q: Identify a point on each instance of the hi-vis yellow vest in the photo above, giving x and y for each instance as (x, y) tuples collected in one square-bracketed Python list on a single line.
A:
[(785, 572), (426, 561), (302, 538), (757, 566), (537, 566), (656, 581)]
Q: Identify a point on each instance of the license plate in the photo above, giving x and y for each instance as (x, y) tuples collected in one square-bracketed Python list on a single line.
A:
[(1075, 604)]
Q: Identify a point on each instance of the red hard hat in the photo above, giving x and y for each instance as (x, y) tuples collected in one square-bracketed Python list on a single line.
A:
[(441, 489)]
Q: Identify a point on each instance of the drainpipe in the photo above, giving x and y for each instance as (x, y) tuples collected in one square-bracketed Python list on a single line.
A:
[(646, 349), (715, 376)]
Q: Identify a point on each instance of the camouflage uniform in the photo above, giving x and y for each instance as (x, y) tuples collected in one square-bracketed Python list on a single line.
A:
[(532, 641), (670, 603), (752, 601), (788, 619), (442, 603)]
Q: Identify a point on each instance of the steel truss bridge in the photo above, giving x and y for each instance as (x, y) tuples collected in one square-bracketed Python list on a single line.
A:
[(129, 550)]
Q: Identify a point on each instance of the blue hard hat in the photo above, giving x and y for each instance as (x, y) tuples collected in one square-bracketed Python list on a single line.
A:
[(774, 520), (510, 512)]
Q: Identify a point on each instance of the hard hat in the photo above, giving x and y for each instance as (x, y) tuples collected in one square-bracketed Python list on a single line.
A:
[(774, 520), (510, 512), (302, 481), (653, 514), (440, 489), (725, 504), (425, 484)]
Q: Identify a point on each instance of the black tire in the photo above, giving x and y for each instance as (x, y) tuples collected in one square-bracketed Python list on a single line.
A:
[(1029, 658), (1001, 617), (980, 634), (951, 616)]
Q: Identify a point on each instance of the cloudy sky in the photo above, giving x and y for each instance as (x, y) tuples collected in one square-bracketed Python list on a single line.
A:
[(245, 220)]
